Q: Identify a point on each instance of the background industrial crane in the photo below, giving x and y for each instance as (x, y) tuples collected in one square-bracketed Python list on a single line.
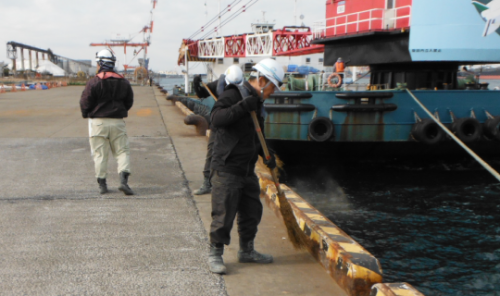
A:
[(117, 42)]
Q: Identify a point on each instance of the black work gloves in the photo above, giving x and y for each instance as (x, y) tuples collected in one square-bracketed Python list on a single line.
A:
[(197, 79), (271, 162), (250, 103)]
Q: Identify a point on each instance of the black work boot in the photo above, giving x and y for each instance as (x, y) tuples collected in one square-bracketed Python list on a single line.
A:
[(205, 188), (102, 185), (215, 261), (123, 184), (247, 254)]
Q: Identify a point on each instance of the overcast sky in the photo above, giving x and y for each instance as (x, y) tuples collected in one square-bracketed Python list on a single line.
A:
[(68, 27)]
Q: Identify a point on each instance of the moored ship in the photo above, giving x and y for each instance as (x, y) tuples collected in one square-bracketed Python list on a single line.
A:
[(412, 48)]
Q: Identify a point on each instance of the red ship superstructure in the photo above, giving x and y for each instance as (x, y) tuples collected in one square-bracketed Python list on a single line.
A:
[(358, 16), (366, 32)]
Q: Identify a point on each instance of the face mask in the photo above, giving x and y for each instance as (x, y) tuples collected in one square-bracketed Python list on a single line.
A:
[(276, 89)]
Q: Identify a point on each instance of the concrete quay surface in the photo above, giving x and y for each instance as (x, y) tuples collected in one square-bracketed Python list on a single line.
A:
[(60, 237)]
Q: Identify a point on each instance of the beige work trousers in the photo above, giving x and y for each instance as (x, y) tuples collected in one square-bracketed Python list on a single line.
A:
[(109, 134)]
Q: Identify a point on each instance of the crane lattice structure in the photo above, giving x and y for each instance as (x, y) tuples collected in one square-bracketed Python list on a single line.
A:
[(127, 42), (263, 42)]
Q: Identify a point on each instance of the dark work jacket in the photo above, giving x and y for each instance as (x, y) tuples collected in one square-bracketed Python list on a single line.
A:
[(108, 95), (236, 144)]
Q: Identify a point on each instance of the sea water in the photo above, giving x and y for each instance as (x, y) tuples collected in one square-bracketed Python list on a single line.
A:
[(434, 225), (169, 83)]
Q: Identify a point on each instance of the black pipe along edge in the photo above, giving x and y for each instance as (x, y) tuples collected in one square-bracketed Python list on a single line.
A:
[(291, 95), (289, 107), (365, 108), (367, 94)]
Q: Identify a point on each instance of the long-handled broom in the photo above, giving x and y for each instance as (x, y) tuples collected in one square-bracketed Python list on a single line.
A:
[(296, 236)]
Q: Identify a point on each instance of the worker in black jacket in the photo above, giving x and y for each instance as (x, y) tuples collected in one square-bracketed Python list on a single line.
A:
[(233, 75), (105, 101), (235, 187)]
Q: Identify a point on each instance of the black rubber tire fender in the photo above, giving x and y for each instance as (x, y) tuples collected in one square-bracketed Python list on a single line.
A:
[(492, 128), (321, 129), (427, 131), (467, 129)]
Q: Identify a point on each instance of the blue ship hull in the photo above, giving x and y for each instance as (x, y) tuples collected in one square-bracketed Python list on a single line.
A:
[(378, 126), (372, 123)]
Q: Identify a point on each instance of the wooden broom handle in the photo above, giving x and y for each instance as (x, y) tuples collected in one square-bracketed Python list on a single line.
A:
[(266, 150), (209, 91)]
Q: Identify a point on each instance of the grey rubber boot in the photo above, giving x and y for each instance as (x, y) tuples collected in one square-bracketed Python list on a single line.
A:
[(247, 254), (215, 261), (102, 185), (123, 184), (205, 188)]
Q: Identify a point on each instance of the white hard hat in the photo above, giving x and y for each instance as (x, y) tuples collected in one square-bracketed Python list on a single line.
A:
[(234, 75), (272, 70), (105, 55)]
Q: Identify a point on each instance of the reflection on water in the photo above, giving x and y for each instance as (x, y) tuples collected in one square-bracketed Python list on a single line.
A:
[(434, 226)]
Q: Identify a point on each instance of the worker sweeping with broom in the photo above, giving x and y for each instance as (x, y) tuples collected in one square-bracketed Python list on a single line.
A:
[(235, 187), (233, 75)]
